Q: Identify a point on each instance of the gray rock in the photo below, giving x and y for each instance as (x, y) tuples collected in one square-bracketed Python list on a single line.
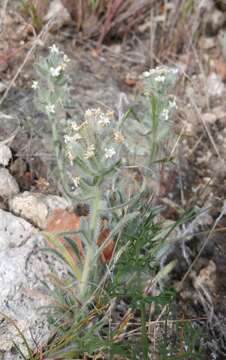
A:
[(8, 125), (221, 4), (5, 154), (214, 22), (8, 185), (13, 233), (58, 14), (35, 207), (23, 267), (215, 85), (3, 87)]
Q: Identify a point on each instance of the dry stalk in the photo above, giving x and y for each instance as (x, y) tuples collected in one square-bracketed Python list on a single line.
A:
[(36, 42)]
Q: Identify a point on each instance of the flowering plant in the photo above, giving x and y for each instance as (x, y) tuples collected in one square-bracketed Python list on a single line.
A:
[(147, 133), (94, 156), (105, 163)]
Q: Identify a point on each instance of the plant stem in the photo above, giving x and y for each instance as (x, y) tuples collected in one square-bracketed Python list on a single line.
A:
[(154, 118), (90, 254), (57, 150), (86, 271), (144, 331), (94, 211)]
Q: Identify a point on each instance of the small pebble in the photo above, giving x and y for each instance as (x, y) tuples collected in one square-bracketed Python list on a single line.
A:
[(5, 154)]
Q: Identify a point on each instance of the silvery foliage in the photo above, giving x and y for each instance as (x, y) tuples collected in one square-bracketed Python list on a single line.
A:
[(97, 146), (147, 133), (100, 149), (51, 88)]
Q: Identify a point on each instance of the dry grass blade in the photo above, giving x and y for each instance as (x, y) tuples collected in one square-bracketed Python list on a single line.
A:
[(36, 42), (202, 248), (109, 19), (199, 115), (3, 14)]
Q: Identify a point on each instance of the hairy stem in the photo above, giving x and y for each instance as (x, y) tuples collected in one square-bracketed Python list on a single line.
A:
[(59, 160), (90, 254)]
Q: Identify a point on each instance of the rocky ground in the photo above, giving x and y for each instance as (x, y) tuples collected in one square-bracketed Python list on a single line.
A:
[(110, 78)]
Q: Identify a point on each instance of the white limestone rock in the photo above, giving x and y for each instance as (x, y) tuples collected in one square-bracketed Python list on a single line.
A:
[(23, 268), (58, 14), (215, 85), (36, 207), (8, 185), (13, 233), (5, 154)]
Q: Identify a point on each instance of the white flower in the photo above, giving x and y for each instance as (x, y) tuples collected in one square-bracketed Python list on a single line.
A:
[(157, 71), (77, 136), (70, 156), (74, 126), (88, 113), (89, 152), (103, 120), (67, 139), (54, 49), (173, 104), (85, 123), (93, 114), (50, 109), (70, 139), (76, 181), (109, 152), (66, 59), (165, 114), (175, 71), (55, 71), (160, 71), (34, 85), (62, 66), (160, 78), (146, 74)]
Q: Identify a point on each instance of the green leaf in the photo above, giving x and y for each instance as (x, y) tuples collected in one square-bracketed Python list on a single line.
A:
[(63, 252), (124, 221)]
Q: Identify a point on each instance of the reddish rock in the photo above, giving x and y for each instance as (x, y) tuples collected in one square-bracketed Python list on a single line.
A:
[(61, 220)]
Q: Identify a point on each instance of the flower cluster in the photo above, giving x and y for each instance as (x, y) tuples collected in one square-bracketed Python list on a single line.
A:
[(56, 71), (165, 114), (118, 137), (52, 71), (109, 152), (54, 49), (169, 107), (172, 103), (98, 117), (97, 143), (96, 138), (34, 85), (50, 109), (160, 79), (146, 138), (90, 152), (76, 181), (160, 72)]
